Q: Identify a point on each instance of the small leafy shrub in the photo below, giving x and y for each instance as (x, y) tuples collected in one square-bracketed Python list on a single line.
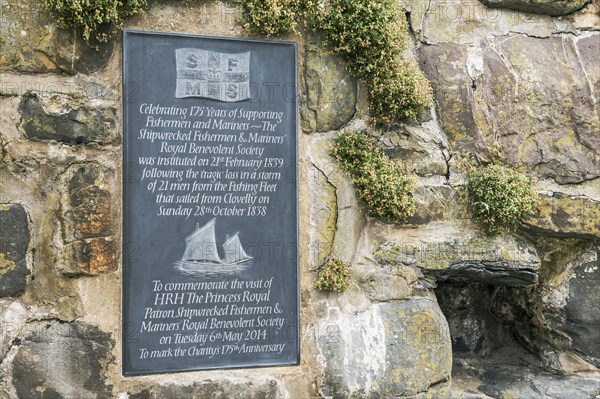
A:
[(366, 32), (271, 17), (334, 275), (500, 197), (398, 93), (385, 185), (371, 35), (92, 18)]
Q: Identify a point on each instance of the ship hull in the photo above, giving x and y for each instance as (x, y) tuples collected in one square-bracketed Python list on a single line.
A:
[(210, 268)]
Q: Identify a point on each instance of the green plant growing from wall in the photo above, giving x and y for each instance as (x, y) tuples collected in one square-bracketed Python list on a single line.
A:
[(500, 197), (398, 93), (384, 184), (370, 34), (334, 275), (93, 18), (271, 17)]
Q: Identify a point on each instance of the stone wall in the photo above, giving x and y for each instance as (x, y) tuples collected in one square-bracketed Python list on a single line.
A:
[(436, 307)]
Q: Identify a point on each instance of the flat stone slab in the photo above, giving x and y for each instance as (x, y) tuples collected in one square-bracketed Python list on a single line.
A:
[(330, 90), (549, 124), (14, 241), (446, 250), (523, 384), (554, 8), (565, 216), (62, 361), (67, 121), (577, 316), (32, 43), (392, 349)]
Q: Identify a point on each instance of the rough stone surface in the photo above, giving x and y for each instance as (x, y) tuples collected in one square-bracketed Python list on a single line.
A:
[(91, 256), (32, 43), (341, 215), (446, 251), (467, 23), (323, 216), (89, 222), (421, 148), (466, 319), (62, 119), (566, 216), (384, 287), (89, 211), (492, 327), (13, 315), (267, 389), (216, 18), (438, 202), (14, 241), (537, 317), (391, 349), (506, 383), (509, 85), (533, 108), (445, 66), (500, 273), (62, 361), (554, 8), (330, 90), (477, 330), (577, 315), (519, 382)]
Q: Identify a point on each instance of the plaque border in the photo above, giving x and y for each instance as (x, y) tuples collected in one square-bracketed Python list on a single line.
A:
[(123, 246)]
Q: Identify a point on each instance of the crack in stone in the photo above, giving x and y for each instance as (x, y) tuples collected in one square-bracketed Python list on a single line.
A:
[(585, 74), (54, 64), (447, 160), (336, 214), (423, 36)]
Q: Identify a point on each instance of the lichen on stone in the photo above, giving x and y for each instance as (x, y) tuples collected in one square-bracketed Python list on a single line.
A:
[(6, 264)]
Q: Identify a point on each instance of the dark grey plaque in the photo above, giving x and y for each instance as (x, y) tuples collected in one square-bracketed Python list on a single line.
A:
[(210, 274)]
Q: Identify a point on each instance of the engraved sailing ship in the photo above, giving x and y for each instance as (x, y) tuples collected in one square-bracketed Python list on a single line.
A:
[(201, 253)]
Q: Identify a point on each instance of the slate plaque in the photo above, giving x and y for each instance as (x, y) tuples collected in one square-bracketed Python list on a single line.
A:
[(210, 230)]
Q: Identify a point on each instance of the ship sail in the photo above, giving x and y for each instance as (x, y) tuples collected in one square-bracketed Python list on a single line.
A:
[(234, 252), (201, 245)]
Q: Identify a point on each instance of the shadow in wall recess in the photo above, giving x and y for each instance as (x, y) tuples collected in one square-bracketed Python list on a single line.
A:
[(201, 255)]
